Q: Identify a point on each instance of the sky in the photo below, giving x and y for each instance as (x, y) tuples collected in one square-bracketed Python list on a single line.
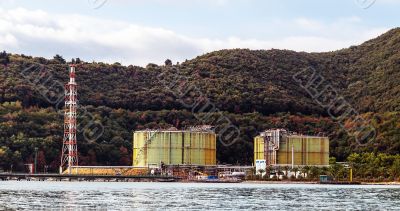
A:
[(139, 32)]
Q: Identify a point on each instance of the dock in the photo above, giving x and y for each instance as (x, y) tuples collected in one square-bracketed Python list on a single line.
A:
[(102, 178)]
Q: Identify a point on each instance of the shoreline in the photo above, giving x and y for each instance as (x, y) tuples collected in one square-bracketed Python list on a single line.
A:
[(313, 182), (243, 182), (278, 182)]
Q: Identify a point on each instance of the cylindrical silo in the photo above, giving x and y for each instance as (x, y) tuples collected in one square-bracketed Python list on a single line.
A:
[(258, 148), (173, 147), (301, 149), (308, 150)]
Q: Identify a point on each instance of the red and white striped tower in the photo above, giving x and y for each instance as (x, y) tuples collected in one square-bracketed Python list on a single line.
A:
[(69, 155)]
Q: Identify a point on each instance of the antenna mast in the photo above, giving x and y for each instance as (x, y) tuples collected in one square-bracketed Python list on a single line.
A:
[(69, 156)]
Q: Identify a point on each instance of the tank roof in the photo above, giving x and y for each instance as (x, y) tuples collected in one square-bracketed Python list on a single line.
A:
[(292, 134), (200, 128), (166, 130)]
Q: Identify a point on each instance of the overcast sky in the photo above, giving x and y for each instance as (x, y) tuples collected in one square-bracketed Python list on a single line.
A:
[(142, 31)]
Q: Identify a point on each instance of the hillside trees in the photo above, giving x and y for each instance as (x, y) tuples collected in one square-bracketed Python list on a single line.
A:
[(255, 89), (4, 58)]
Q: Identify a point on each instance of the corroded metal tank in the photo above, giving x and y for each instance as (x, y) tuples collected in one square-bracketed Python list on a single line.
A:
[(305, 150), (174, 147)]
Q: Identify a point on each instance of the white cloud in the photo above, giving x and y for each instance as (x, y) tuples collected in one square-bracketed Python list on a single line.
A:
[(8, 40), (39, 33)]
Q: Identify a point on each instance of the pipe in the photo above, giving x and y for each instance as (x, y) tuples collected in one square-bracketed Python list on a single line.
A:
[(272, 144), (351, 174), (292, 156)]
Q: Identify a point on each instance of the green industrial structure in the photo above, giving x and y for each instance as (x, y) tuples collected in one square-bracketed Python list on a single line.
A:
[(280, 147), (196, 146)]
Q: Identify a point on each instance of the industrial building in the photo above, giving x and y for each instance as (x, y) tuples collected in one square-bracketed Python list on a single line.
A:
[(190, 154), (195, 147), (278, 147)]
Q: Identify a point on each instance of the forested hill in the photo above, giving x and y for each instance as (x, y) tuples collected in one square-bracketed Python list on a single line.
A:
[(255, 89)]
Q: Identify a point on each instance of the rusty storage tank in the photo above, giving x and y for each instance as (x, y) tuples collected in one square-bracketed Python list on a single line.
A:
[(174, 147), (278, 148)]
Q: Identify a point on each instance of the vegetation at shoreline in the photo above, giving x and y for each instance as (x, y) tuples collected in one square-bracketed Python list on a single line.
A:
[(254, 89), (45, 125), (366, 167)]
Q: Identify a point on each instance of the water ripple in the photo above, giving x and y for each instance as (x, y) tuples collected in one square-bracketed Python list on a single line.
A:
[(192, 196)]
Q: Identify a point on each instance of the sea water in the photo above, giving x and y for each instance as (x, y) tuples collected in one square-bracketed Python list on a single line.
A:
[(48, 195)]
